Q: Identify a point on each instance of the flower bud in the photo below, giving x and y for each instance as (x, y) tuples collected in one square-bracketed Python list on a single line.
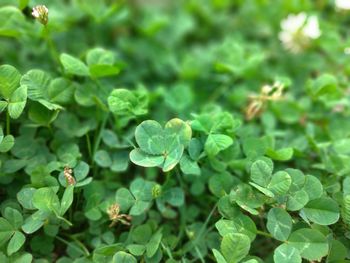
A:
[(41, 13), (156, 191)]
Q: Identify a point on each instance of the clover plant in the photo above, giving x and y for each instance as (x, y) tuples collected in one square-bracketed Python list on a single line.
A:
[(174, 131)]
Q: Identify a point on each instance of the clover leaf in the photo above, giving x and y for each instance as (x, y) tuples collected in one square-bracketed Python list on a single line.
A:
[(160, 147)]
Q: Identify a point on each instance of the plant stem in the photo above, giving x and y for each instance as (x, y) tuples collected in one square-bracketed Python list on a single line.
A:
[(167, 250), (88, 144), (98, 138), (262, 233), (182, 210), (200, 233), (51, 45), (69, 244), (8, 123)]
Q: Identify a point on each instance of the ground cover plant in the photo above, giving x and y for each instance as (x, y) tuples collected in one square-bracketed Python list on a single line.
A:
[(174, 131)]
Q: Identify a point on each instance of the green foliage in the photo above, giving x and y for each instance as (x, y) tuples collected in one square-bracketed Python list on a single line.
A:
[(174, 131)]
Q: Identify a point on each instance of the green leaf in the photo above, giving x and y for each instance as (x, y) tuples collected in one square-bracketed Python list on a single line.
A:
[(221, 184), (123, 257), (3, 105), (311, 243), (46, 200), (7, 143), (241, 224), (100, 56), (219, 257), (99, 71), (81, 171), (188, 166), (9, 78), (124, 199), (16, 242), (260, 173), (67, 199), (6, 231), (60, 91), (264, 190), (14, 217), (215, 143), (338, 251), (286, 253), (73, 65), (17, 102), (149, 136), (101, 63), (103, 159), (279, 223), (234, 247), (25, 196), (172, 158), (12, 21), (280, 183), (141, 158), (177, 132), (322, 211), (313, 187), (34, 222), (158, 146), (297, 200), (153, 244), (123, 102), (37, 83), (41, 115), (323, 85), (284, 154)]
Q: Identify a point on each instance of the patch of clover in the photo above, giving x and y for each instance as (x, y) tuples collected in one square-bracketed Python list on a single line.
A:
[(158, 146)]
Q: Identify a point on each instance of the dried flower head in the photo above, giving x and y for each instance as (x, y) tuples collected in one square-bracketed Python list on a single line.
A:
[(67, 172), (41, 13), (113, 213), (298, 31), (267, 93)]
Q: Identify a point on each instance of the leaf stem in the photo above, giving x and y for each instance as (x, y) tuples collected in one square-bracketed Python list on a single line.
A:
[(8, 123), (82, 249), (51, 45), (201, 231), (88, 144), (98, 138), (263, 233), (167, 250)]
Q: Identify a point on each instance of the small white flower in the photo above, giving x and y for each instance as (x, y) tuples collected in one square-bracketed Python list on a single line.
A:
[(298, 31), (41, 13), (342, 4), (347, 51)]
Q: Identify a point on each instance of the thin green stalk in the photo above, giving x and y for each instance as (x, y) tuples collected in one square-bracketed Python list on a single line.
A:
[(77, 248), (8, 123), (262, 233), (167, 250), (99, 136), (51, 45), (200, 233), (199, 254), (182, 210), (88, 144)]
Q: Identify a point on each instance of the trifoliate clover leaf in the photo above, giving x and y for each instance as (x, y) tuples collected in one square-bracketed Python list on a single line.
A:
[(160, 147)]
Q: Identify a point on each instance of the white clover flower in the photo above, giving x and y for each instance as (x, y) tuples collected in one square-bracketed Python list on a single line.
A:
[(298, 31), (347, 51), (342, 4), (41, 13)]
